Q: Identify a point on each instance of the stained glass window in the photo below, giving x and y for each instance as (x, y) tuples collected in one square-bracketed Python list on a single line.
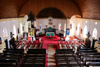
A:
[(14, 31), (5, 33), (78, 29), (40, 27), (59, 26)]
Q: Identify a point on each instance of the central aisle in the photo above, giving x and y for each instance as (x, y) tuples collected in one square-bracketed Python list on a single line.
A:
[(51, 56)]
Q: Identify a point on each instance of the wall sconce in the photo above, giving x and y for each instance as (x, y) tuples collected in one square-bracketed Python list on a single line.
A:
[(46, 25), (54, 26)]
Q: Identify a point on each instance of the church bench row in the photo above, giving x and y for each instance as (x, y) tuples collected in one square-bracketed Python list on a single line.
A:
[(93, 64), (11, 57), (63, 50), (36, 51), (7, 65), (87, 50), (68, 65), (89, 57), (31, 65), (31, 45), (66, 45), (66, 58), (34, 58), (13, 49)]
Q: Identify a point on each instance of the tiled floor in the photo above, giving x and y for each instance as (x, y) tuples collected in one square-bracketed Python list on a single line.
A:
[(51, 57)]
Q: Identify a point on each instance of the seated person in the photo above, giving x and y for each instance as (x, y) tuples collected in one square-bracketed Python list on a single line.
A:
[(87, 43), (12, 43)]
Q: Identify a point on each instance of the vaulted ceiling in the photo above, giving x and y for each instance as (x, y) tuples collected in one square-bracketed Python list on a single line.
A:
[(89, 8), (85, 8)]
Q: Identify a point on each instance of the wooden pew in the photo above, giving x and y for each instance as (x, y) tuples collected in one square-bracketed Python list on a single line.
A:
[(32, 65), (66, 58), (14, 50), (11, 56), (37, 50), (64, 50), (88, 53), (68, 65), (87, 50), (9, 61), (91, 60), (89, 56), (34, 58), (7, 65), (93, 64)]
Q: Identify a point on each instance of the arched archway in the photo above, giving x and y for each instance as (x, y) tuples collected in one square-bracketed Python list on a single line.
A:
[(14, 31), (78, 29), (85, 31), (21, 28), (68, 7), (51, 11), (74, 26), (5, 35), (94, 35), (64, 29)]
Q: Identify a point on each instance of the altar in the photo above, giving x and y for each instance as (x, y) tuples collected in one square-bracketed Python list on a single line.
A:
[(50, 34), (50, 30)]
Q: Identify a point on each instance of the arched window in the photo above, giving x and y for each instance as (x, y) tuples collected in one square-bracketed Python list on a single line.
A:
[(14, 31), (78, 29), (85, 32), (5, 35), (21, 29), (94, 35), (40, 27), (64, 29), (59, 26)]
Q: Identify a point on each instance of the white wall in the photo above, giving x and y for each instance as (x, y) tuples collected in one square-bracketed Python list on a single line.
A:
[(90, 23), (90, 26), (44, 22), (8, 24)]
